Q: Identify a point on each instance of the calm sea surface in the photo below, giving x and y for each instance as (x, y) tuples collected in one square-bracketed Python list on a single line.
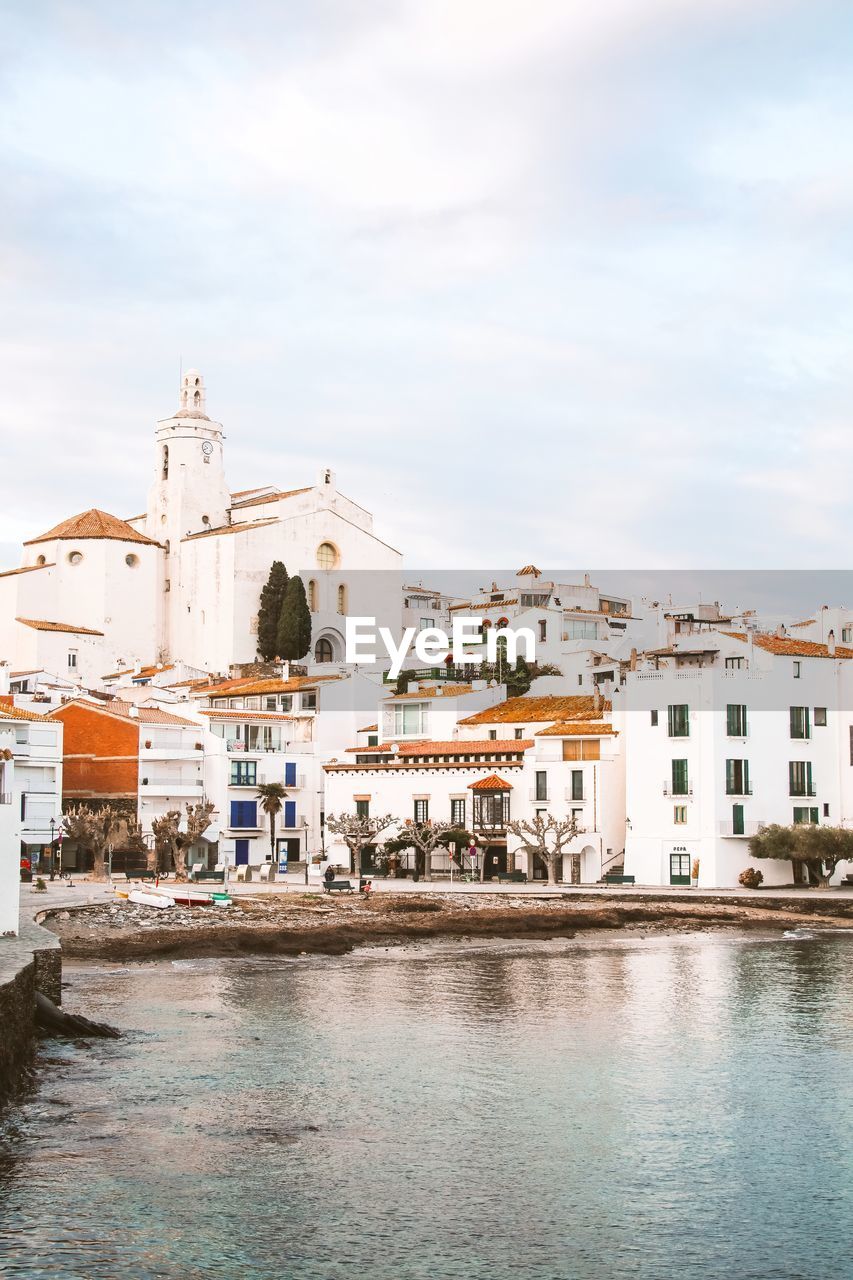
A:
[(644, 1107)]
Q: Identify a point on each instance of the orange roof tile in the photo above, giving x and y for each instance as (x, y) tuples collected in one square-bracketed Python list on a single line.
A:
[(444, 690), (493, 783), (270, 497), (239, 713), (529, 571), (116, 707), (454, 747), (230, 528), (584, 729), (250, 685), (789, 647), (534, 710), (492, 604), (809, 622), (93, 524), (8, 711), (27, 568), (368, 728), (38, 624)]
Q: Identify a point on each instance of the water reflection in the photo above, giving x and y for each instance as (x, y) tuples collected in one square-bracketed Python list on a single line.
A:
[(638, 1106)]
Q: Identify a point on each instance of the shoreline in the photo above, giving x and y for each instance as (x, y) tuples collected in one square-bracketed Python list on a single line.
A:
[(311, 924)]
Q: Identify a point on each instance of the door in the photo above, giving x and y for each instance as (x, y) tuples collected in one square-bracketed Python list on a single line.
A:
[(679, 868), (575, 868), (241, 852), (737, 819)]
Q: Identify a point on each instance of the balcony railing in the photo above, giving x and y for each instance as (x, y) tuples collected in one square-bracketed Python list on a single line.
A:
[(172, 786), (800, 795), (739, 791), (742, 829), (539, 797), (575, 799), (670, 790)]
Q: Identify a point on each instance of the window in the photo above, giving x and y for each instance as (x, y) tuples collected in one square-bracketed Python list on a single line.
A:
[(131, 561), (270, 704), (323, 650), (679, 778), (735, 664), (290, 774), (737, 820), (75, 557), (826, 810), (373, 739), (244, 773), (847, 635), (679, 868), (244, 813), (457, 813), (541, 785), (797, 669), (72, 659), (362, 808), (493, 733), (737, 778), (410, 719), (425, 624), (312, 595), (653, 716), (800, 778), (800, 722), (327, 555), (519, 733), (285, 702), (288, 819), (421, 810), (820, 717), (579, 629), (165, 462), (309, 702), (342, 599), (581, 749), (805, 817), (543, 628), (736, 720), (678, 720), (679, 814), (577, 784)]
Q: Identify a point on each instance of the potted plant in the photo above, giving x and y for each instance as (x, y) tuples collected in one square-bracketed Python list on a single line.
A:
[(694, 874)]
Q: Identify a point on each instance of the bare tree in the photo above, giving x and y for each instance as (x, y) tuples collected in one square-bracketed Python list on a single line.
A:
[(174, 833), (357, 831), (94, 830), (546, 837), (425, 838)]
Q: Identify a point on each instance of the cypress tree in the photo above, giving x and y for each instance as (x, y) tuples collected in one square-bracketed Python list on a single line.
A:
[(294, 624), (272, 599)]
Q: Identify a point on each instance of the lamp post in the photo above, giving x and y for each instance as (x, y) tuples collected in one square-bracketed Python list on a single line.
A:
[(52, 849)]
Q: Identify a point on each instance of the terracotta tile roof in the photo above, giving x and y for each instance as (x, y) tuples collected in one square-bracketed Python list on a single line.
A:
[(790, 647), (809, 622), (8, 711), (536, 710), (145, 673), (242, 493), (529, 571), (445, 690), (38, 624), (27, 568), (230, 528), (454, 747), (270, 497), (418, 764), (251, 685), (492, 604), (93, 524), (368, 728), (114, 675), (238, 713), (573, 729), (115, 707), (493, 783)]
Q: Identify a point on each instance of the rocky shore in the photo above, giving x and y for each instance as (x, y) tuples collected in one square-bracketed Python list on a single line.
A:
[(298, 923)]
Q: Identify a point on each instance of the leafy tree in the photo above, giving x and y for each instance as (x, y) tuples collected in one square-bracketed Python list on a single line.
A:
[(94, 830), (175, 832), (819, 849), (425, 838), (546, 837), (294, 624), (272, 599), (272, 796), (356, 832), (519, 680)]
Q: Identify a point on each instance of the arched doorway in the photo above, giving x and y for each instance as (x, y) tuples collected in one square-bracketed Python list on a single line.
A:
[(323, 651)]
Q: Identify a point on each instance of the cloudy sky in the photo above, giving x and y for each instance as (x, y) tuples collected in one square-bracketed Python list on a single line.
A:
[(551, 281)]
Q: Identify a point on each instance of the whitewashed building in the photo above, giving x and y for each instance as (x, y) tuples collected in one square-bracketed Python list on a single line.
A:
[(30, 797)]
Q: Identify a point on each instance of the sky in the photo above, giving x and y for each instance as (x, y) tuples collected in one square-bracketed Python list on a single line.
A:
[(551, 282)]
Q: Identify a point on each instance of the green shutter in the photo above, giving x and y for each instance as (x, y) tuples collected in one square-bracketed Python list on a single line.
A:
[(730, 777)]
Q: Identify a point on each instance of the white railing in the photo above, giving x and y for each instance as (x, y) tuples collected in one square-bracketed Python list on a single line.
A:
[(677, 795), (570, 795)]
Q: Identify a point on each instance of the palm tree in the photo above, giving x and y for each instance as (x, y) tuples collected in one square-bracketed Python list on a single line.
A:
[(272, 796)]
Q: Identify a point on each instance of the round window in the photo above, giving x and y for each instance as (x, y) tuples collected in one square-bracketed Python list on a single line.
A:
[(41, 560), (75, 557), (131, 560), (327, 555)]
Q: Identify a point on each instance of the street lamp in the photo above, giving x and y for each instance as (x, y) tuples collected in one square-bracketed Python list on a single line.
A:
[(52, 849)]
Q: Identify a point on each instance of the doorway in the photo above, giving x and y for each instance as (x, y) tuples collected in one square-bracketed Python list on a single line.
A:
[(679, 868)]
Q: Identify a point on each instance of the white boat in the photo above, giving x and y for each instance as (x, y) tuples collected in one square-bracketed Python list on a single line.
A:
[(186, 897), (148, 898)]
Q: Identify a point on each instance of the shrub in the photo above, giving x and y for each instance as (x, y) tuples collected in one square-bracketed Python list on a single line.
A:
[(751, 878)]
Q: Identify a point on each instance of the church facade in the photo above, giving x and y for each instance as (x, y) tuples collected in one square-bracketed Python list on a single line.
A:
[(182, 581)]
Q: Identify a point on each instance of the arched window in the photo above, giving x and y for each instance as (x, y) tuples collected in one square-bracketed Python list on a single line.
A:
[(323, 650), (41, 560), (327, 555), (312, 595), (131, 560), (197, 397), (165, 462), (342, 599), (75, 557)]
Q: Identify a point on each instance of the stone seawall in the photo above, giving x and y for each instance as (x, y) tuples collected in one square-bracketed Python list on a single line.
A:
[(29, 963)]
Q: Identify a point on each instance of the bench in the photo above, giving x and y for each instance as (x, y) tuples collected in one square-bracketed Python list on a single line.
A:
[(141, 875), (512, 877), (218, 877), (337, 886), (612, 878)]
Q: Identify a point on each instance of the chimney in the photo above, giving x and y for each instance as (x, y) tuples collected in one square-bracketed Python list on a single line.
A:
[(133, 711), (285, 671), (781, 631), (4, 678), (596, 700), (830, 644), (586, 581), (633, 659)]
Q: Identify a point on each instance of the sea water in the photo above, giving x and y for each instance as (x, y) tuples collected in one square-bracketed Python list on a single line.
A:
[(634, 1107)]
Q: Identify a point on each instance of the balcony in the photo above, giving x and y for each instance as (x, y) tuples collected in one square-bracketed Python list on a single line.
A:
[(539, 798), (236, 745), (296, 825), (172, 786), (574, 799), (169, 751), (744, 829), (803, 795), (739, 791), (670, 790)]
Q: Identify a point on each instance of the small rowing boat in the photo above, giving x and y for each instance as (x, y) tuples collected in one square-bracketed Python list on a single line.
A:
[(148, 898), (186, 897)]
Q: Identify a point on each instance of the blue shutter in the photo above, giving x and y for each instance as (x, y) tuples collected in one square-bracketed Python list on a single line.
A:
[(290, 812), (241, 852), (250, 813), (235, 813), (290, 775)]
